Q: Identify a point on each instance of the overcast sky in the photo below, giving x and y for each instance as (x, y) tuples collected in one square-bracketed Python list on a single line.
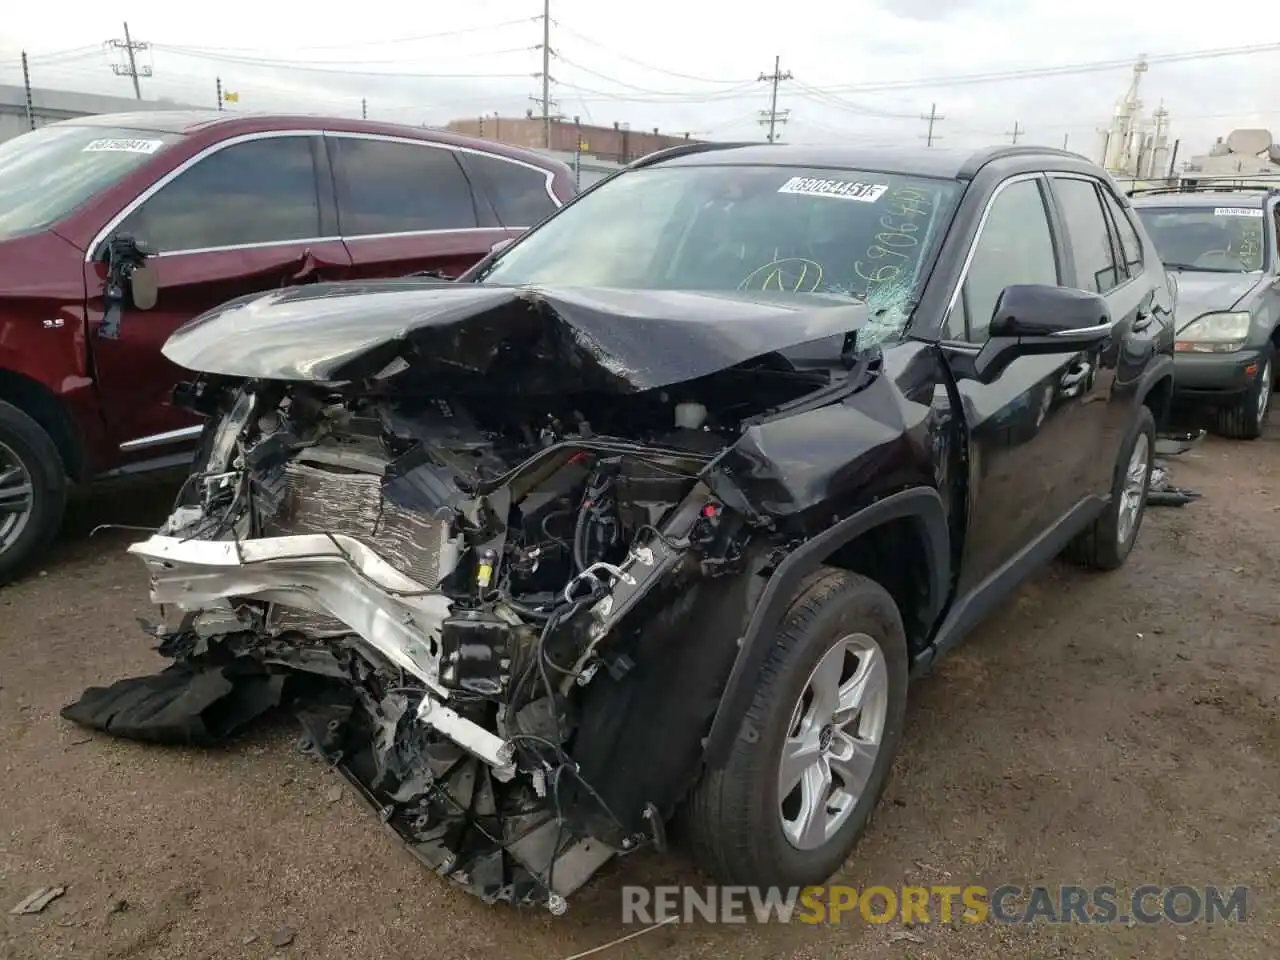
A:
[(674, 64)]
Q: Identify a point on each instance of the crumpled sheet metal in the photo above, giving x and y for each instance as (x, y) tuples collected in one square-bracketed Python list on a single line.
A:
[(471, 338)]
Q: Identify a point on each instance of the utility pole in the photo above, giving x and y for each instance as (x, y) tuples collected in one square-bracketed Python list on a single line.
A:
[(1065, 138), (364, 109), (545, 101), (26, 86), (933, 117), (219, 93), (773, 116), (1016, 132), (131, 69)]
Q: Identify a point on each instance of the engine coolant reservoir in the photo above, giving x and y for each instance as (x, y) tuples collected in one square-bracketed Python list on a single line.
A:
[(690, 416)]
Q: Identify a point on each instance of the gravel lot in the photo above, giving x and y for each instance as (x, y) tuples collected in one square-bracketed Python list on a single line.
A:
[(1118, 729)]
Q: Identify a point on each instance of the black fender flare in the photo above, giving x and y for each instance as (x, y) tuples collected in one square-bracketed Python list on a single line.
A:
[(1162, 369), (922, 504)]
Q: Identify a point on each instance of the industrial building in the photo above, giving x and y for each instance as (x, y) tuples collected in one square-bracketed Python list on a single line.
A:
[(618, 143), (1134, 146), (18, 115)]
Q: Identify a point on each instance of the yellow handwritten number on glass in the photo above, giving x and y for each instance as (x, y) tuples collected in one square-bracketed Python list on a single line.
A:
[(793, 274)]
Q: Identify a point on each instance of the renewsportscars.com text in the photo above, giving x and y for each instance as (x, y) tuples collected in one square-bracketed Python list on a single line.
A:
[(1008, 903)]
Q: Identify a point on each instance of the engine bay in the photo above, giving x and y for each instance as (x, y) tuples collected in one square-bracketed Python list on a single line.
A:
[(459, 571)]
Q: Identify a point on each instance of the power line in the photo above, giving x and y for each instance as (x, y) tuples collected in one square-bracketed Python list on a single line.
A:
[(1062, 70), (933, 117), (642, 63), (773, 116), (130, 68), (1016, 132)]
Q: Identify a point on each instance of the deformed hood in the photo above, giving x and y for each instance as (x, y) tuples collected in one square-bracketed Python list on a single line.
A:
[(520, 340)]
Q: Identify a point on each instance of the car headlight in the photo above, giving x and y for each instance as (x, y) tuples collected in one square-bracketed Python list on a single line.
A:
[(1214, 333)]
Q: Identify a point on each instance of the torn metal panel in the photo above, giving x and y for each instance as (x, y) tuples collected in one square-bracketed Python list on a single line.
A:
[(331, 574)]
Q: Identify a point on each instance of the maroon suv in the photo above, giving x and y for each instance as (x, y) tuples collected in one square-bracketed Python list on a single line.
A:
[(208, 206)]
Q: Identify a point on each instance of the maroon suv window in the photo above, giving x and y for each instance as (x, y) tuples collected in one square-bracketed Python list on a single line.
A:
[(518, 193), (387, 186), (259, 191)]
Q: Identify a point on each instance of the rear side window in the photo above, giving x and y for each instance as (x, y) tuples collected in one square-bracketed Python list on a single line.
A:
[(1087, 233), (518, 193), (262, 191), (1130, 246), (387, 187)]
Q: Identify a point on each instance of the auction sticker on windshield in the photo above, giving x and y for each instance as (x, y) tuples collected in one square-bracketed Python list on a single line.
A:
[(123, 146), (840, 189), (1236, 212)]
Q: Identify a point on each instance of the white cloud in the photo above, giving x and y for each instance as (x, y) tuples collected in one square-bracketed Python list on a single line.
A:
[(826, 45)]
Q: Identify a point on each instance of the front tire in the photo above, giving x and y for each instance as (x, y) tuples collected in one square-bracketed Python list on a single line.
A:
[(1247, 418), (33, 491), (804, 776), (1107, 542)]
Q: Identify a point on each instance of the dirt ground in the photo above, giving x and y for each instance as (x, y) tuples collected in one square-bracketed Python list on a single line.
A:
[(1121, 729)]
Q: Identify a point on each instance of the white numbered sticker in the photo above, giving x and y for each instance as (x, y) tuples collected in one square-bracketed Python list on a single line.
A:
[(838, 189), (123, 146), (1237, 212)]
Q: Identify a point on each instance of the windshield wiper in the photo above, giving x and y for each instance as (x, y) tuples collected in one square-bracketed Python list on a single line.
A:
[(1194, 269)]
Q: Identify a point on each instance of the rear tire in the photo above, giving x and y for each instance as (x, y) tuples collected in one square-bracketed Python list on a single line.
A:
[(33, 491), (1247, 418), (1106, 543), (738, 820)]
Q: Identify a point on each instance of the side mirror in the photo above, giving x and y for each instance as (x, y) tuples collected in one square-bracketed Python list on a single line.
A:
[(501, 245), (144, 289), (126, 258), (1031, 319)]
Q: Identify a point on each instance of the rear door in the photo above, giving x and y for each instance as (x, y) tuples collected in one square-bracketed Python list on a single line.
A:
[(243, 216), (1106, 257), (1028, 440), (406, 206)]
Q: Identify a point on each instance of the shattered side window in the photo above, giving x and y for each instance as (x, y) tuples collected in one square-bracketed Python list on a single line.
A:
[(855, 234)]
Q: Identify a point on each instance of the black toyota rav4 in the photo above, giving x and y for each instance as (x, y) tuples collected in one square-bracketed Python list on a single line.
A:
[(653, 515)]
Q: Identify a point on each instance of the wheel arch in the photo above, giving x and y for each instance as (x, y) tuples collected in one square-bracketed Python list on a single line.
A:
[(39, 403), (1156, 391), (858, 543)]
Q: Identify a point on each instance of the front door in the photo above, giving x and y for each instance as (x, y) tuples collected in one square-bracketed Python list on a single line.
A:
[(245, 218), (406, 206), (1029, 442)]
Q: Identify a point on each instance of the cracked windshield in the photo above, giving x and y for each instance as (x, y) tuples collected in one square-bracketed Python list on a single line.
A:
[(780, 230)]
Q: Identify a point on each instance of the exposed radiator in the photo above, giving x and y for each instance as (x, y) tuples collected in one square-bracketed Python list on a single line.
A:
[(320, 500)]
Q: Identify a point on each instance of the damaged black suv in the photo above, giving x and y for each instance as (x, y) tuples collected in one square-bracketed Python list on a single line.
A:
[(650, 518)]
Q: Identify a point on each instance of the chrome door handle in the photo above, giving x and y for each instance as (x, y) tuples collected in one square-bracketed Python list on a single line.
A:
[(1079, 374)]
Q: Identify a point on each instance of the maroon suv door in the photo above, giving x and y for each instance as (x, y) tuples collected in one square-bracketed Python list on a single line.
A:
[(406, 206), (248, 215)]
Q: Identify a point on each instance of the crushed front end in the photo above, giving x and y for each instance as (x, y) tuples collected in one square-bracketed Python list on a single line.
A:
[(456, 580)]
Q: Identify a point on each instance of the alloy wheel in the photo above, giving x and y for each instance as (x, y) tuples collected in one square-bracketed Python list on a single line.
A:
[(17, 497), (1134, 491), (833, 741), (1264, 391)]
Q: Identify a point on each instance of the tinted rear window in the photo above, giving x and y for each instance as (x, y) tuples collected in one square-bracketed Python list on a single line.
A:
[(518, 193), (388, 187), (47, 173)]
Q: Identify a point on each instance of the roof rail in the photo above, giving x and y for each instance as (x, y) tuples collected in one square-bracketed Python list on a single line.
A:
[(1198, 186), (683, 149), (979, 159)]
